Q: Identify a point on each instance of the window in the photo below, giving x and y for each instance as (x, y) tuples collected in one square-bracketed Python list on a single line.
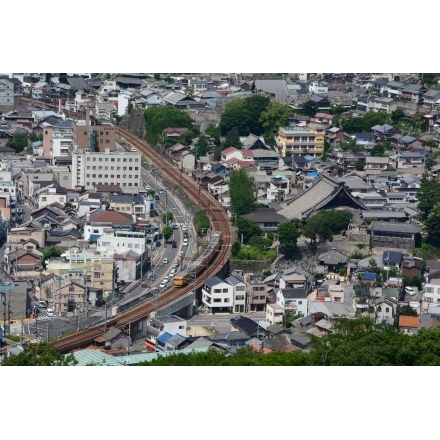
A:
[(239, 288), (217, 300), (226, 300), (217, 290), (225, 290)]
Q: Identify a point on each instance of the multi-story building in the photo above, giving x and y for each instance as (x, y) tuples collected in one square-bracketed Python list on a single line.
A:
[(91, 168), (256, 292), (307, 140), (94, 136), (217, 295), (96, 267), (57, 140), (131, 204), (6, 92)]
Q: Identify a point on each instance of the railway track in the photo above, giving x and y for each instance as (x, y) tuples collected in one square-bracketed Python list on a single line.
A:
[(219, 222)]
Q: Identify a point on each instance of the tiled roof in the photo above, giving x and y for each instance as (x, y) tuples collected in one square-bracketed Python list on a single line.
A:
[(110, 216), (409, 321), (381, 226), (265, 215), (333, 257)]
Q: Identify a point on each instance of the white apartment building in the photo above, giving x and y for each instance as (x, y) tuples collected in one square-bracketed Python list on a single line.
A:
[(217, 295), (104, 168), (62, 136), (120, 241), (431, 297)]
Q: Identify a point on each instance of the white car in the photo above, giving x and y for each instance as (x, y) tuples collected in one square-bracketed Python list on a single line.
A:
[(410, 291), (184, 227), (133, 150), (185, 242), (164, 282), (50, 313)]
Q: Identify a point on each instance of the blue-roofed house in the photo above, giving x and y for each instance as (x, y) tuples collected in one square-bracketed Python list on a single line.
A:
[(369, 279), (161, 341)]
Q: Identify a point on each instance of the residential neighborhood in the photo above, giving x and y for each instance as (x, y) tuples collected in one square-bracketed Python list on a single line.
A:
[(329, 184)]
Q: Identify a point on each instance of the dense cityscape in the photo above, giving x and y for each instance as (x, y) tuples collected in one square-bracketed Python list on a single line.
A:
[(219, 219)]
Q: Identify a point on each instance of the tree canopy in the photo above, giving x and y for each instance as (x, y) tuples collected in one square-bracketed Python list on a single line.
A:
[(247, 229), (324, 224), (272, 118), (241, 190), (38, 355), (288, 234), (428, 195), (432, 225), (244, 114), (159, 118), (201, 222), (18, 141)]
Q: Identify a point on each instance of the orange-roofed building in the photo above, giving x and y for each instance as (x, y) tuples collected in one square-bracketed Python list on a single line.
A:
[(409, 324)]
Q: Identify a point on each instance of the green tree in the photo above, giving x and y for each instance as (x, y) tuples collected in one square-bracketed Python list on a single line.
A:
[(427, 195), (235, 249), (246, 229), (244, 114), (201, 222), (167, 217), (260, 242), (241, 190), (288, 237), (18, 142), (52, 252), (202, 147), (378, 150), (397, 115), (232, 139), (167, 232), (432, 225), (159, 118), (360, 165), (309, 108), (275, 115), (39, 355)]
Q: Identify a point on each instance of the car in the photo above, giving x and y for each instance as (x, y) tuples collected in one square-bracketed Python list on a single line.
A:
[(185, 242), (185, 234), (152, 277), (173, 244), (184, 227), (164, 282), (172, 272), (148, 188), (410, 291), (175, 265), (41, 304), (50, 313), (165, 261), (161, 191)]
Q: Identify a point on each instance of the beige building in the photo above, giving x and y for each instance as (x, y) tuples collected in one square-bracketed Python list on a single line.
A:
[(307, 140), (90, 169)]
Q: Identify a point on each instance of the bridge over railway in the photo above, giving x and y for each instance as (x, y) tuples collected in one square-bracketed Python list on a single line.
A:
[(173, 298)]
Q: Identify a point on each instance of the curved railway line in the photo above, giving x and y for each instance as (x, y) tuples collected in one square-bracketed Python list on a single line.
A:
[(219, 222)]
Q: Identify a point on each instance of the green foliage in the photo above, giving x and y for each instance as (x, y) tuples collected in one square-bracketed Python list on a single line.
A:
[(244, 114), (241, 190), (430, 79), (52, 252), (406, 310), (247, 228), (167, 217), (397, 116), (201, 222), (38, 355), (326, 223), (360, 165), (432, 225), (202, 147), (18, 141), (428, 195), (213, 132), (363, 123), (232, 139), (255, 253), (378, 150), (235, 249), (167, 232), (259, 242), (274, 116), (309, 108), (288, 234), (159, 118)]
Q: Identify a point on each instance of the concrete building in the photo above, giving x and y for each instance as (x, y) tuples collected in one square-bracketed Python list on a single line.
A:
[(90, 169), (6, 92), (307, 140)]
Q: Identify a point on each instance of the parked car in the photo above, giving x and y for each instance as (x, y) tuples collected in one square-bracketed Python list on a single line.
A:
[(41, 304), (185, 234), (410, 291)]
